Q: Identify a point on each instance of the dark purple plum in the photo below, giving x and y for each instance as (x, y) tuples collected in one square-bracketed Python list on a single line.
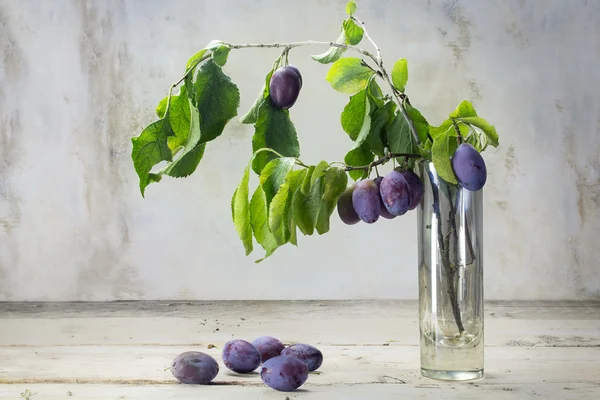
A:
[(469, 167), (310, 355), (345, 208), (384, 212), (268, 347), (284, 86), (284, 373), (416, 188), (365, 200), (240, 356), (297, 71), (194, 367), (395, 193)]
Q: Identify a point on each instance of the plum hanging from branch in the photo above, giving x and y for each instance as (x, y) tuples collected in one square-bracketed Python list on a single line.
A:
[(469, 167), (284, 86)]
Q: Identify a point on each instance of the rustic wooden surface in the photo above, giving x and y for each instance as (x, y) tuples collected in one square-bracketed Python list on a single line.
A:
[(120, 350)]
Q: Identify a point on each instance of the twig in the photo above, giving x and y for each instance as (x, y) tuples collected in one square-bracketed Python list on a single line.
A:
[(400, 97), (467, 230), (377, 49), (381, 160), (459, 139), (444, 250), (291, 45)]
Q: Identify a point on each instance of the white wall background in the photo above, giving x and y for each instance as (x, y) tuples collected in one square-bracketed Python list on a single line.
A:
[(78, 79)]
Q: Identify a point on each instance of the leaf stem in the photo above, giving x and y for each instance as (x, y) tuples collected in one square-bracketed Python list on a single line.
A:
[(381, 160), (458, 134), (300, 163)]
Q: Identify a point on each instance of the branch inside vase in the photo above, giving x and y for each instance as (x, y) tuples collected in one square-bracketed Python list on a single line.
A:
[(444, 247)]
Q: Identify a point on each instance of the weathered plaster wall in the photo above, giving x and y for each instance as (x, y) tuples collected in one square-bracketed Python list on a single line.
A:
[(78, 79)]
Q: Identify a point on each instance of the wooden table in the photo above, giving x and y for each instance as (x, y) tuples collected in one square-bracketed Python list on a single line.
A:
[(53, 351)]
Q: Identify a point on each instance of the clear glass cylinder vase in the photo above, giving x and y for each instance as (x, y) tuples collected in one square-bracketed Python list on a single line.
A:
[(450, 279)]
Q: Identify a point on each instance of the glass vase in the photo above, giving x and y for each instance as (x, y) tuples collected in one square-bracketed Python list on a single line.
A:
[(450, 279)]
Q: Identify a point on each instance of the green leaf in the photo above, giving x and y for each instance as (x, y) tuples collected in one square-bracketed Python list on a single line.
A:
[(349, 75), (233, 205), (295, 179), (319, 172), (334, 53), (195, 58), (150, 148), (241, 212), (278, 214), (179, 118), (260, 222), (334, 183), (421, 124), (273, 176), (353, 32), (400, 74), (188, 159), (474, 136), (275, 130), (464, 109), (489, 130), (293, 234), (306, 207), (399, 137), (350, 8), (280, 220), (445, 128), (252, 115), (305, 187), (220, 55), (442, 150), (375, 93), (359, 157), (201, 54), (161, 108), (327, 208), (356, 118), (380, 118), (217, 99), (187, 164)]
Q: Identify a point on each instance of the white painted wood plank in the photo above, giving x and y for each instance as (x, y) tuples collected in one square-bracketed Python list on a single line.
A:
[(335, 330), (256, 309), (333, 392), (342, 365), (371, 349)]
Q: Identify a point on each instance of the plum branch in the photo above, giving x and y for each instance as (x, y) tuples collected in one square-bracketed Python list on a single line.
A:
[(381, 160), (382, 72), (399, 96), (291, 45)]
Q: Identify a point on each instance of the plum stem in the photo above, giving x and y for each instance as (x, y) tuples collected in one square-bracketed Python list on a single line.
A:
[(398, 95), (445, 256), (459, 138), (381, 160)]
